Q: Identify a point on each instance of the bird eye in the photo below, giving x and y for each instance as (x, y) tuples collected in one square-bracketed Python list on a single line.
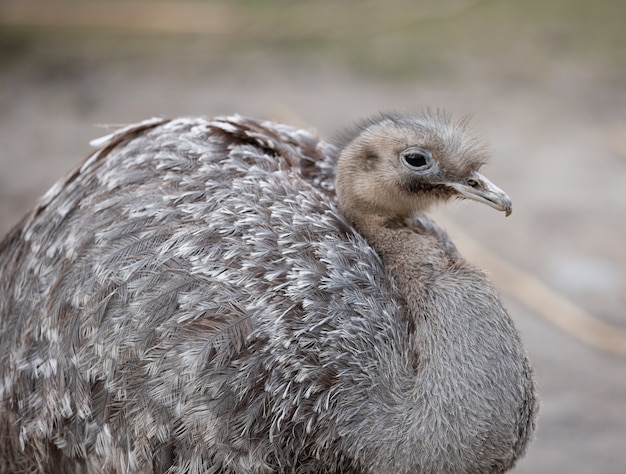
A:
[(416, 159)]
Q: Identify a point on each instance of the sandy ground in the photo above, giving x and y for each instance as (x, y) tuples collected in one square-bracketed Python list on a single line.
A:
[(559, 150)]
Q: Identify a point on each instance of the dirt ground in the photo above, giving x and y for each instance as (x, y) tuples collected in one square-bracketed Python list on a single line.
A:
[(555, 119)]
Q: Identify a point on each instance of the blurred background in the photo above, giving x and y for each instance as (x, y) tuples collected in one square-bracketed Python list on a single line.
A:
[(545, 82)]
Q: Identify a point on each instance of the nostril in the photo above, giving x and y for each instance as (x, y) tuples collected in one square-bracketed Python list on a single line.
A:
[(472, 183)]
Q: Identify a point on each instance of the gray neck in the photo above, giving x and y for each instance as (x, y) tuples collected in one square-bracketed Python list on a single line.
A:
[(470, 381)]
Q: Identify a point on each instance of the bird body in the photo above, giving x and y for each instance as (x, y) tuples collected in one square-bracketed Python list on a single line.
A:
[(207, 296)]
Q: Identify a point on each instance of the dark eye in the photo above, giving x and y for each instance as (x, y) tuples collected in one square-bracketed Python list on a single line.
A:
[(416, 158)]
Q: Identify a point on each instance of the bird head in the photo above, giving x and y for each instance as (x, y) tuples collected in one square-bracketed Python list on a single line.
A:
[(395, 166)]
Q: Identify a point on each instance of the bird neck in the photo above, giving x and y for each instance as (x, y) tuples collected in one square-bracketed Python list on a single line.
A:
[(458, 362), (419, 258), (412, 248)]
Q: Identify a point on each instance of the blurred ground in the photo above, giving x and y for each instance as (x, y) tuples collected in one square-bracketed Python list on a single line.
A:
[(545, 82)]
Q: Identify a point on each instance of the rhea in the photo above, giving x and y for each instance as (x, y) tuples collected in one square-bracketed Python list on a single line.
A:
[(237, 296)]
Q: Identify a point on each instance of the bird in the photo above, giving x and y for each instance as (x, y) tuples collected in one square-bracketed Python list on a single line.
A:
[(234, 295)]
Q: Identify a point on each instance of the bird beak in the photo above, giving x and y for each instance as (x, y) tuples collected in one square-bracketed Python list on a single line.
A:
[(480, 189)]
